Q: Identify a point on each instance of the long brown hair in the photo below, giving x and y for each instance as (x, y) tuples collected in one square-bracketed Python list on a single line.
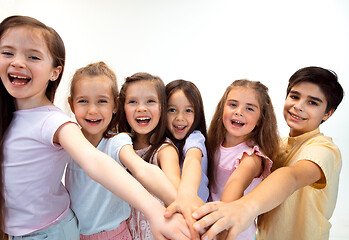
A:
[(266, 135), (157, 136), (56, 48)]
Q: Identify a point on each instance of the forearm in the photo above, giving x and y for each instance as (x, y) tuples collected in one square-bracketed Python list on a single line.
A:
[(155, 180), (191, 177), (272, 191)]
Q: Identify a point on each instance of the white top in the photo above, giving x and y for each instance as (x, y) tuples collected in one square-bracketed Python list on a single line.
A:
[(96, 208), (33, 168)]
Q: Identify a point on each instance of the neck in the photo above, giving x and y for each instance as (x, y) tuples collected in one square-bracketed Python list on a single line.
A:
[(141, 141), (22, 104)]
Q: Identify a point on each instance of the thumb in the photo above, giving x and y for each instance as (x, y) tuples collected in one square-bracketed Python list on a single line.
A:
[(170, 210)]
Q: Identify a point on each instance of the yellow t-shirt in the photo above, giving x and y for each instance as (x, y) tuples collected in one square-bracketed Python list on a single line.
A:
[(306, 213)]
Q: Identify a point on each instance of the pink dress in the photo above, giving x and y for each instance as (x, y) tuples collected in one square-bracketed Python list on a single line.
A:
[(137, 223), (226, 160)]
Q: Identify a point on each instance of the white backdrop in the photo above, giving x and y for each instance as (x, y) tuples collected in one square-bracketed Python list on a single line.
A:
[(210, 43)]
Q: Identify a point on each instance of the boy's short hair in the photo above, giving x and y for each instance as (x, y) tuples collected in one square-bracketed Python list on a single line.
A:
[(327, 81)]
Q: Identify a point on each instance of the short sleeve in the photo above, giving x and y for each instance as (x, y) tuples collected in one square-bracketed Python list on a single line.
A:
[(195, 140), (326, 155), (52, 123), (119, 141)]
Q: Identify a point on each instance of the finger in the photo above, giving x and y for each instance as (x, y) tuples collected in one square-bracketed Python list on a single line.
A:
[(190, 221), (206, 221), (213, 231), (170, 210), (204, 210), (182, 232)]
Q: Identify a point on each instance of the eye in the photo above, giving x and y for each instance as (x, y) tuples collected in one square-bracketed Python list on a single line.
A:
[(34, 58), (7, 53), (250, 109), (189, 110), (171, 110), (131, 101), (82, 101), (294, 97), (151, 101), (232, 104), (313, 103), (102, 101)]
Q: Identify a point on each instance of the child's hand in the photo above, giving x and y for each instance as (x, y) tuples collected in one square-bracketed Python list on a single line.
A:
[(168, 228), (234, 216), (186, 204)]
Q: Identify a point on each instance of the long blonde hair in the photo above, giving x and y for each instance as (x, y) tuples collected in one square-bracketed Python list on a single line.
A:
[(265, 135)]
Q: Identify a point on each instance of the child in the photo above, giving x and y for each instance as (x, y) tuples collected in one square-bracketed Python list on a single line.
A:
[(93, 97), (298, 198), (36, 138), (242, 134), (142, 112), (186, 127)]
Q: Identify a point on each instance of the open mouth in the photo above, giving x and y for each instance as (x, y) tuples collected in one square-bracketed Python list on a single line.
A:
[(237, 123), (143, 120), (18, 80), (93, 121), (180, 129)]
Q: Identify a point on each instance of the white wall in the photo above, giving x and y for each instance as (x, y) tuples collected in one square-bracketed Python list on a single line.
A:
[(210, 43)]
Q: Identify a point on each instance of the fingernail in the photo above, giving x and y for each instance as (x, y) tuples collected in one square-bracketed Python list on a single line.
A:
[(196, 226), (205, 238), (195, 215)]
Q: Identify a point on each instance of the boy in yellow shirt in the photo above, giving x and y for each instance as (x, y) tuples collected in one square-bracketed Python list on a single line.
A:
[(298, 198)]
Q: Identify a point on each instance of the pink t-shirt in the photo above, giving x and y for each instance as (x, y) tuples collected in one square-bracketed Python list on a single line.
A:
[(226, 160), (33, 168)]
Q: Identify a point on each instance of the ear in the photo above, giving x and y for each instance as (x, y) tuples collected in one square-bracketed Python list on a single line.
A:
[(55, 73), (70, 101), (327, 115)]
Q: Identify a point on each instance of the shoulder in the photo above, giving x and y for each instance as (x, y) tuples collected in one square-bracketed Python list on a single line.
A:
[(195, 140)]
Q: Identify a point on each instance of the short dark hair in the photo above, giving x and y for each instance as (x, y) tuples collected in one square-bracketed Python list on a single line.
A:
[(327, 81)]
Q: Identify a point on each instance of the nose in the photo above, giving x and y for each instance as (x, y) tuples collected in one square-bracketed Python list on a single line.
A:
[(179, 116), (141, 108), (299, 106), (92, 109), (238, 112), (18, 62)]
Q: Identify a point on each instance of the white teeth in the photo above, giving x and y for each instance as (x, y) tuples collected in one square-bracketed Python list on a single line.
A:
[(180, 127), (15, 83), (237, 122), (20, 77), (296, 117), (143, 118)]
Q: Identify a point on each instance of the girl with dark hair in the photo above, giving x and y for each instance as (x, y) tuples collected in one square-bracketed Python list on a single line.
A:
[(186, 127)]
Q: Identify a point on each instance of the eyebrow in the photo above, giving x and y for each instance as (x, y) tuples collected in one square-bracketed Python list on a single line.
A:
[(309, 96)]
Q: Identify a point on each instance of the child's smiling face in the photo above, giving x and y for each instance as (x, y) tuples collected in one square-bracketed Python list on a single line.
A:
[(180, 115), (142, 107), (240, 115), (26, 66), (305, 108), (93, 105)]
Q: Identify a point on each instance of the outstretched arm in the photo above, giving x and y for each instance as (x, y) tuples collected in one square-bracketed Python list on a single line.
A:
[(238, 215), (168, 161), (148, 174), (187, 200), (104, 170)]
